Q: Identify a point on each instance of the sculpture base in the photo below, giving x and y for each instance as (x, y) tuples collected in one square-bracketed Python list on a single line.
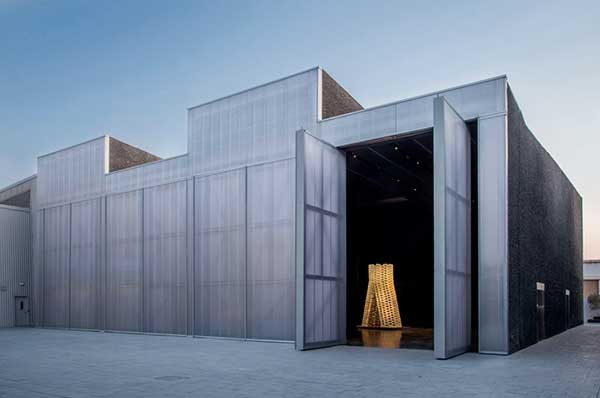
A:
[(380, 327)]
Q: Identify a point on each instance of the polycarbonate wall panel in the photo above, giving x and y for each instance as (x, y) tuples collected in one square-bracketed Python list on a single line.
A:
[(56, 266), (165, 256), (37, 221), (360, 126), (471, 101), (17, 188), (72, 174), (479, 99), (15, 260), (220, 254), (147, 175), (271, 272), (493, 235), (452, 232), (86, 266), (124, 261), (324, 243), (253, 126)]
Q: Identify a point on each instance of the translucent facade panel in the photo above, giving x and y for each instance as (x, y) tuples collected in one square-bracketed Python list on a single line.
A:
[(415, 114), (253, 126), (471, 101), (452, 232), (147, 175), (165, 256), (220, 255), (56, 266), (322, 321), (359, 126), (124, 261), (270, 283), (72, 174), (15, 260), (493, 232), (17, 188), (322, 292), (37, 222), (478, 99), (86, 266)]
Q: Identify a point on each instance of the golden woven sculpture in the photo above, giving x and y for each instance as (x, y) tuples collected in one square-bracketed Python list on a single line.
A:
[(381, 305)]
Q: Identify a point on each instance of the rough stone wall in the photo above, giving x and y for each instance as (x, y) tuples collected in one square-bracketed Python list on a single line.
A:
[(545, 236), (123, 156), (336, 101)]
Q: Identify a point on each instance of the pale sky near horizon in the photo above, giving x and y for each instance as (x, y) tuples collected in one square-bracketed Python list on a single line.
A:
[(74, 70)]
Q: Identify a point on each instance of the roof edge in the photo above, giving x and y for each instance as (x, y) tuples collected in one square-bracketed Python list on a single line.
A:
[(255, 87), (16, 184)]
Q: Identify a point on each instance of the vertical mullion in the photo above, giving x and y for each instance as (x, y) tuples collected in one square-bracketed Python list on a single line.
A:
[(142, 282), (246, 252), (69, 269)]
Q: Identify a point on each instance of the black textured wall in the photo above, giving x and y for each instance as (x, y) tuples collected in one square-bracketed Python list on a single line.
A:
[(545, 236)]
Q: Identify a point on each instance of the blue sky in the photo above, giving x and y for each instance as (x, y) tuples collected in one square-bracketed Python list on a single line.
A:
[(74, 70)]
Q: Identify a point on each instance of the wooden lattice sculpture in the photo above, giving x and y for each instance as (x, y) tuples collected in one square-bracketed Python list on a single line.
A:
[(381, 305)]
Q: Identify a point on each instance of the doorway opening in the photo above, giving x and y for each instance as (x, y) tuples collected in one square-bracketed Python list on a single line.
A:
[(389, 207)]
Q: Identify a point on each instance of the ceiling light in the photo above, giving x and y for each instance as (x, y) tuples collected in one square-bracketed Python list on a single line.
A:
[(396, 148)]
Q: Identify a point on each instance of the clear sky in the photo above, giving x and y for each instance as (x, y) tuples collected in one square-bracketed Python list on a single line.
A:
[(74, 70)]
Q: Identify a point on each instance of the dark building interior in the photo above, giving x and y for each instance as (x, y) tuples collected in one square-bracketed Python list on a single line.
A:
[(390, 220)]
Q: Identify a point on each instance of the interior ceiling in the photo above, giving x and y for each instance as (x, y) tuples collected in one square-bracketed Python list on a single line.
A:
[(392, 171)]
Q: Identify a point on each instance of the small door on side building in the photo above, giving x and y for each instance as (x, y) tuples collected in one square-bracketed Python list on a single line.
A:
[(320, 243), (22, 312), (452, 231)]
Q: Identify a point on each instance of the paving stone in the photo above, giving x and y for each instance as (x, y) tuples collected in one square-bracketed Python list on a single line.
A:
[(59, 363)]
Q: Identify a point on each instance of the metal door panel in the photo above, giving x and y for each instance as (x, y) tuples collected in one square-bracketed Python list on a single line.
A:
[(320, 243), (452, 232)]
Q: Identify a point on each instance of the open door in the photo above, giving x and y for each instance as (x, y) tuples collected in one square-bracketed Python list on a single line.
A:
[(320, 243), (452, 231)]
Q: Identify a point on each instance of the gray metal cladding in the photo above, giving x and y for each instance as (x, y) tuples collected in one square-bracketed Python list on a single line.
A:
[(56, 266), (165, 259), (254, 126), (86, 265), (147, 175), (15, 260), (271, 266), (220, 259), (72, 174), (124, 267)]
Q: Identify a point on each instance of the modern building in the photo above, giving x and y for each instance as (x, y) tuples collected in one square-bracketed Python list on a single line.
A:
[(591, 285), (264, 229)]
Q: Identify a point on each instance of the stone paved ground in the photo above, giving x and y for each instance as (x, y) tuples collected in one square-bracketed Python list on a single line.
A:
[(53, 363)]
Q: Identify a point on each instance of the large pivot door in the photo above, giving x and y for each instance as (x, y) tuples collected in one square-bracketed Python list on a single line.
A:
[(320, 243), (452, 231)]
